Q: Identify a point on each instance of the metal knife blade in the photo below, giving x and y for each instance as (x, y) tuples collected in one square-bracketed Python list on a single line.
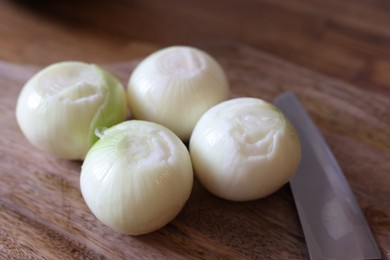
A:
[(332, 221)]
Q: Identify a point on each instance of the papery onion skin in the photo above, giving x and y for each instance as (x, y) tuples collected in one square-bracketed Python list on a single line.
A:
[(175, 86), (60, 107), (244, 149), (137, 177)]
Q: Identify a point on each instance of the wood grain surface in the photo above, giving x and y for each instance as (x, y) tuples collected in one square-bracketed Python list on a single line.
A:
[(43, 215)]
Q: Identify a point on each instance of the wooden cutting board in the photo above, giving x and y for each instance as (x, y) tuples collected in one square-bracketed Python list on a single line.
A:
[(43, 215)]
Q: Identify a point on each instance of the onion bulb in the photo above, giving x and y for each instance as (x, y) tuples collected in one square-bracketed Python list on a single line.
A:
[(175, 86), (244, 149), (137, 177), (60, 107)]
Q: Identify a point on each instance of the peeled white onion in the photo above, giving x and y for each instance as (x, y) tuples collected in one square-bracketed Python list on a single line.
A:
[(60, 107), (244, 149), (175, 86), (137, 177)]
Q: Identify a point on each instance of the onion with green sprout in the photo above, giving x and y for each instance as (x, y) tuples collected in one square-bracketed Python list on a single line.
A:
[(137, 177), (60, 107)]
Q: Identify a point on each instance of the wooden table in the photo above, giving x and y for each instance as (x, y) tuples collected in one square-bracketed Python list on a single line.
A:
[(334, 54)]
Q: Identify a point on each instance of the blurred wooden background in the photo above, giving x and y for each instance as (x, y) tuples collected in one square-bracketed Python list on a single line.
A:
[(348, 40)]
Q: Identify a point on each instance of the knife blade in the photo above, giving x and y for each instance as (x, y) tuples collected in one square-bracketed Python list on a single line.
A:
[(332, 220)]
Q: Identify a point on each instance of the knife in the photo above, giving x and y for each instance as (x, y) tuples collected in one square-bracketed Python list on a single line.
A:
[(332, 221)]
